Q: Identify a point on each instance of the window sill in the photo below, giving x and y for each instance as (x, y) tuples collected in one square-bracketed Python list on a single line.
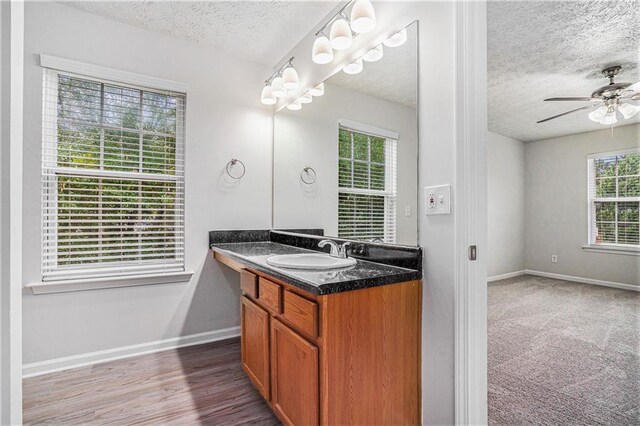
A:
[(63, 286), (612, 249)]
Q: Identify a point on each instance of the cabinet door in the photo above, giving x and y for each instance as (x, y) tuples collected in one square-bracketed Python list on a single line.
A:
[(294, 368), (255, 344)]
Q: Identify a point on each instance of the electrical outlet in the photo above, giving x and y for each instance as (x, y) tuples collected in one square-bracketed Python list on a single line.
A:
[(437, 199), (554, 258), (407, 210)]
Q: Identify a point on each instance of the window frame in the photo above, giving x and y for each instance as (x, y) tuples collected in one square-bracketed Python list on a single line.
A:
[(53, 66), (592, 245), (390, 193)]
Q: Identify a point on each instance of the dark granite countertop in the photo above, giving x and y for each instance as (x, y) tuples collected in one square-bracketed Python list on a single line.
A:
[(364, 274)]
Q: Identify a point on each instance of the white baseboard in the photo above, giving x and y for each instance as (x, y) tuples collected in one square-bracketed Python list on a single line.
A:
[(505, 276), (583, 280), (81, 360)]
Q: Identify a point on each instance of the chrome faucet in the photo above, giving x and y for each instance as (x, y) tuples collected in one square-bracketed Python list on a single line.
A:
[(336, 250)]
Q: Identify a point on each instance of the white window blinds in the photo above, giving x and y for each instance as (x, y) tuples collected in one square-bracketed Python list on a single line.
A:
[(366, 186), (614, 198), (112, 179)]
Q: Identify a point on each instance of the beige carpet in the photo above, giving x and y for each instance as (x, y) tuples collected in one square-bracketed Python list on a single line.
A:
[(563, 353)]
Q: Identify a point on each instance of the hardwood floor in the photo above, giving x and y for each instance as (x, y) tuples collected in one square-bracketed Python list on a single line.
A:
[(201, 384)]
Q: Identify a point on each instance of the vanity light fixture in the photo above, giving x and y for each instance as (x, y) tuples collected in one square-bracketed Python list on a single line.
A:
[(318, 90), (340, 36), (277, 88), (290, 78), (374, 54), (397, 39), (306, 98), (286, 77), (322, 50), (363, 17), (267, 96), (354, 67), (295, 105)]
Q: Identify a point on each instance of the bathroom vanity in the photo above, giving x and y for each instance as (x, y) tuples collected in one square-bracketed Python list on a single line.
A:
[(329, 340), (332, 346)]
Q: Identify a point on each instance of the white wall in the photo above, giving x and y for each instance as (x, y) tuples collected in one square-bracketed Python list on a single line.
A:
[(309, 137), (556, 206), (506, 203), (224, 120), (436, 166)]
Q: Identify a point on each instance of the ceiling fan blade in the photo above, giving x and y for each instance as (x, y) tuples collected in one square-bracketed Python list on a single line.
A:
[(586, 98), (635, 87), (568, 112)]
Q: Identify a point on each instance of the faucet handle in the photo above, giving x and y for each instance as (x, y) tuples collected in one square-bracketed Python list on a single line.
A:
[(343, 250)]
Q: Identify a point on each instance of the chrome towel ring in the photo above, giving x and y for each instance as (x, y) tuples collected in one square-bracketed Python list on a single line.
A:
[(233, 162), (310, 175)]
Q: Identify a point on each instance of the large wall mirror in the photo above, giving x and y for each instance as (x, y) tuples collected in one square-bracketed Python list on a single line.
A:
[(347, 162)]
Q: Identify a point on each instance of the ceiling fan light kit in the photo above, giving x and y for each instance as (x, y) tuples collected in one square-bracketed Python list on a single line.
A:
[(610, 100)]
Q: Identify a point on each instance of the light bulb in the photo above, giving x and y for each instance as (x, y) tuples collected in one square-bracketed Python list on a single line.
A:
[(628, 110), (374, 54), (267, 97), (354, 67), (306, 98), (290, 78), (295, 105), (398, 39), (318, 90), (363, 17), (277, 89), (322, 51), (598, 114), (340, 36), (610, 117)]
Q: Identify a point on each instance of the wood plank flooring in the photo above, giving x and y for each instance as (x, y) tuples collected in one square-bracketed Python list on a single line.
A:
[(201, 384)]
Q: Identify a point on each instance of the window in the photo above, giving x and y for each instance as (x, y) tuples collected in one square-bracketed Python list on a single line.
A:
[(614, 199), (366, 186), (113, 179)]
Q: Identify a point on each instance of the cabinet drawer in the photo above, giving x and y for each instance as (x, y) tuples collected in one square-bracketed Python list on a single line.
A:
[(301, 313), (249, 283), (270, 295)]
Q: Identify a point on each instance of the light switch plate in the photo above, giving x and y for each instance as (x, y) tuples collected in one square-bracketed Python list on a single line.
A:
[(437, 199)]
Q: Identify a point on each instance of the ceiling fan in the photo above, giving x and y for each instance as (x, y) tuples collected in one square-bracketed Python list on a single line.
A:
[(608, 100)]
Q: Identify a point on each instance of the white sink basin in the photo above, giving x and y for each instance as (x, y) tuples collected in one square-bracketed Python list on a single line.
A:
[(310, 261)]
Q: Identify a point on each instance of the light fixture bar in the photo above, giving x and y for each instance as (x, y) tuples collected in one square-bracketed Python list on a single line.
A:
[(337, 14), (272, 76)]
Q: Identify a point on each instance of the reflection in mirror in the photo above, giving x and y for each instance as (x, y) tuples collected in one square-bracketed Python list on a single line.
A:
[(347, 162)]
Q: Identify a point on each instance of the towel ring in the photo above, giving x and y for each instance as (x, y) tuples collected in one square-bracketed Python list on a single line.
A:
[(308, 171), (232, 163)]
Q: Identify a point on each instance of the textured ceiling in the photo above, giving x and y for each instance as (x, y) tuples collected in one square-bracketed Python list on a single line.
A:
[(393, 78), (260, 31), (547, 49)]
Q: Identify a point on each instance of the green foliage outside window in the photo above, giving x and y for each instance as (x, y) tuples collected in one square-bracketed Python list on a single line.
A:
[(617, 177), (362, 165), (116, 129)]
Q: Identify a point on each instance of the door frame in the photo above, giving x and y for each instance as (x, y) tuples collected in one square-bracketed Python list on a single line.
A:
[(471, 218), (12, 40)]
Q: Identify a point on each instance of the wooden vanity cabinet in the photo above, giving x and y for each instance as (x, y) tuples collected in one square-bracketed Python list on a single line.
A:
[(294, 376), (351, 357), (254, 347)]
